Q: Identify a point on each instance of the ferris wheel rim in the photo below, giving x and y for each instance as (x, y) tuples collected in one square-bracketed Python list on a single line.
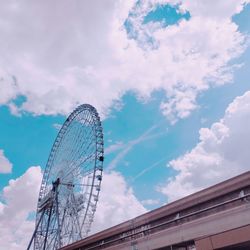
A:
[(62, 132), (98, 160)]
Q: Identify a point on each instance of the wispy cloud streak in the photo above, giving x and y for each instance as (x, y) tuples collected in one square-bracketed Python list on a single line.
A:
[(145, 170), (126, 148)]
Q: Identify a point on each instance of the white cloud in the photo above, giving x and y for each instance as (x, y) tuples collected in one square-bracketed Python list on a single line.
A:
[(19, 200), (57, 126), (117, 203), (150, 202), (223, 10), (81, 53), (5, 164), (223, 152), (114, 147)]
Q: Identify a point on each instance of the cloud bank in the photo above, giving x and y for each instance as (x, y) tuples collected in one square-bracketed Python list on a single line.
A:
[(117, 203), (59, 54), (19, 200), (223, 152)]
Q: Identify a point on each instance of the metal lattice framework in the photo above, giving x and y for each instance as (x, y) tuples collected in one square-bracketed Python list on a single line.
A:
[(71, 182)]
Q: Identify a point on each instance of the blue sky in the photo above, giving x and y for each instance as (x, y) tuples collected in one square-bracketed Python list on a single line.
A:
[(171, 91)]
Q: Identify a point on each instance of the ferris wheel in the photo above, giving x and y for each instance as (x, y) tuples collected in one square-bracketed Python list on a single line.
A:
[(71, 182)]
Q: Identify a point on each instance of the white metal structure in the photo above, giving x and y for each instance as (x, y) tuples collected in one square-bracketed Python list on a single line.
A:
[(71, 182)]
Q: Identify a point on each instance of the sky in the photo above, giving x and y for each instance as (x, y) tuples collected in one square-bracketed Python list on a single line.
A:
[(170, 80)]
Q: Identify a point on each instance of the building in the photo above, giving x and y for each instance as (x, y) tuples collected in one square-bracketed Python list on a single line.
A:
[(215, 218)]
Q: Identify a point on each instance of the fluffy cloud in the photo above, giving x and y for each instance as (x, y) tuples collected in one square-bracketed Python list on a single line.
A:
[(223, 152), (117, 203), (5, 164), (59, 54), (150, 202), (19, 200)]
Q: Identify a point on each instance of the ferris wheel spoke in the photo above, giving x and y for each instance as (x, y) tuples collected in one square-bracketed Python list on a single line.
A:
[(76, 135), (87, 142), (85, 173), (76, 215), (72, 170), (67, 137), (85, 150), (81, 161)]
